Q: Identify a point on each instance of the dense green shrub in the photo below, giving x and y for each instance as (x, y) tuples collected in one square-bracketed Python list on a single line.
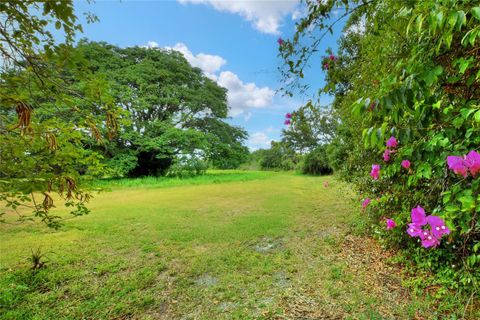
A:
[(316, 162), (279, 157), (409, 70), (187, 166)]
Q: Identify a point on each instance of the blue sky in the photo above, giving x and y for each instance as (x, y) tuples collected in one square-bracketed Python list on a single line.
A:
[(233, 42)]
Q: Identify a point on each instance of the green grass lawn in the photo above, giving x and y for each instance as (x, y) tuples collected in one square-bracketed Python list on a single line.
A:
[(228, 245)]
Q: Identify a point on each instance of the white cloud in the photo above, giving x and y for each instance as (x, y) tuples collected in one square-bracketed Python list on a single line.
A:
[(259, 140), (152, 44), (242, 96), (266, 15), (207, 62)]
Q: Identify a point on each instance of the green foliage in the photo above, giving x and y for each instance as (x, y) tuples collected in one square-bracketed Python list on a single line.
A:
[(278, 157), (311, 126), (316, 162), (188, 166), (411, 70), (170, 109), (45, 121)]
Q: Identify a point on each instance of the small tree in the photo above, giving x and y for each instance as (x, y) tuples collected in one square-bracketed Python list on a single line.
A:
[(43, 131)]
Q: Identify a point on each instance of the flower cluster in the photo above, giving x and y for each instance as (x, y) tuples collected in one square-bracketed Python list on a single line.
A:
[(365, 203), (280, 41), (467, 163), (288, 118), (375, 173), (391, 145), (406, 164), (390, 224), (332, 58), (430, 237)]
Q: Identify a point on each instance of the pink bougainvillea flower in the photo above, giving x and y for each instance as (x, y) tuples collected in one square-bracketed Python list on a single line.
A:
[(392, 142), (390, 224), (287, 122), (365, 203), (288, 115), (325, 66), (332, 57), (428, 239), (472, 162), (326, 184), (418, 216), (414, 230), (280, 41), (406, 164), (386, 155), (438, 227), (375, 173), (457, 164)]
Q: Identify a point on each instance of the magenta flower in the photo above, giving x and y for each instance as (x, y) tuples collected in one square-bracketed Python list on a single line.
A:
[(288, 115), (365, 203), (372, 106), (438, 227), (457, 164), (287, 122), (391, 224), (392, 142), (429, 240), (418, 216), (280, 41), (386, 155), (332, 57), (375, 173), (406, 164), (414, 230), (325, 66), (430, 237), (472, 162)]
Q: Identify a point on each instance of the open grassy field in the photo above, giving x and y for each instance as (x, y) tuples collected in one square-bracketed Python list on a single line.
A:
[(231, 245)]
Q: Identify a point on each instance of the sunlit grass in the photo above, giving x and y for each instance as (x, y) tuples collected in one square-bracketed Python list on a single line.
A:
[(258, 245)]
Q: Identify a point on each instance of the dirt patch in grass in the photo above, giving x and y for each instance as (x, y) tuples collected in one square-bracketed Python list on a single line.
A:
[(206, 280), (267, 245)]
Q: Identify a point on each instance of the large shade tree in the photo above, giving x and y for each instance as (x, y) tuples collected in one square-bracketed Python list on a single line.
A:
[(172, 111)]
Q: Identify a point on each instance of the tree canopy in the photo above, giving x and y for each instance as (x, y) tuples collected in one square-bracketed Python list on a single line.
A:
[(171, 110)]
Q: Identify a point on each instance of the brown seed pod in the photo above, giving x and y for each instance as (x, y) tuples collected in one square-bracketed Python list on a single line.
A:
[(95, 132), (51, 141), (71, 187), (24, 113), (112, 125), (47, 202)]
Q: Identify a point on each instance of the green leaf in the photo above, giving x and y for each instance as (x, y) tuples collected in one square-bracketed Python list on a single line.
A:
[(477, 116), (476, 12)]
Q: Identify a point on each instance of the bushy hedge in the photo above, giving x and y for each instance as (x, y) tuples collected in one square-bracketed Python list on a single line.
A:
[(316, 162), (407, 91)]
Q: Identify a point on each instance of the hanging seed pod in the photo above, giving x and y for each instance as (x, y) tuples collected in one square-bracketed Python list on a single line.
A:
[(95, 132), (51, 141), (47, 202), (24, 113), (71, 187), (112, 125)]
